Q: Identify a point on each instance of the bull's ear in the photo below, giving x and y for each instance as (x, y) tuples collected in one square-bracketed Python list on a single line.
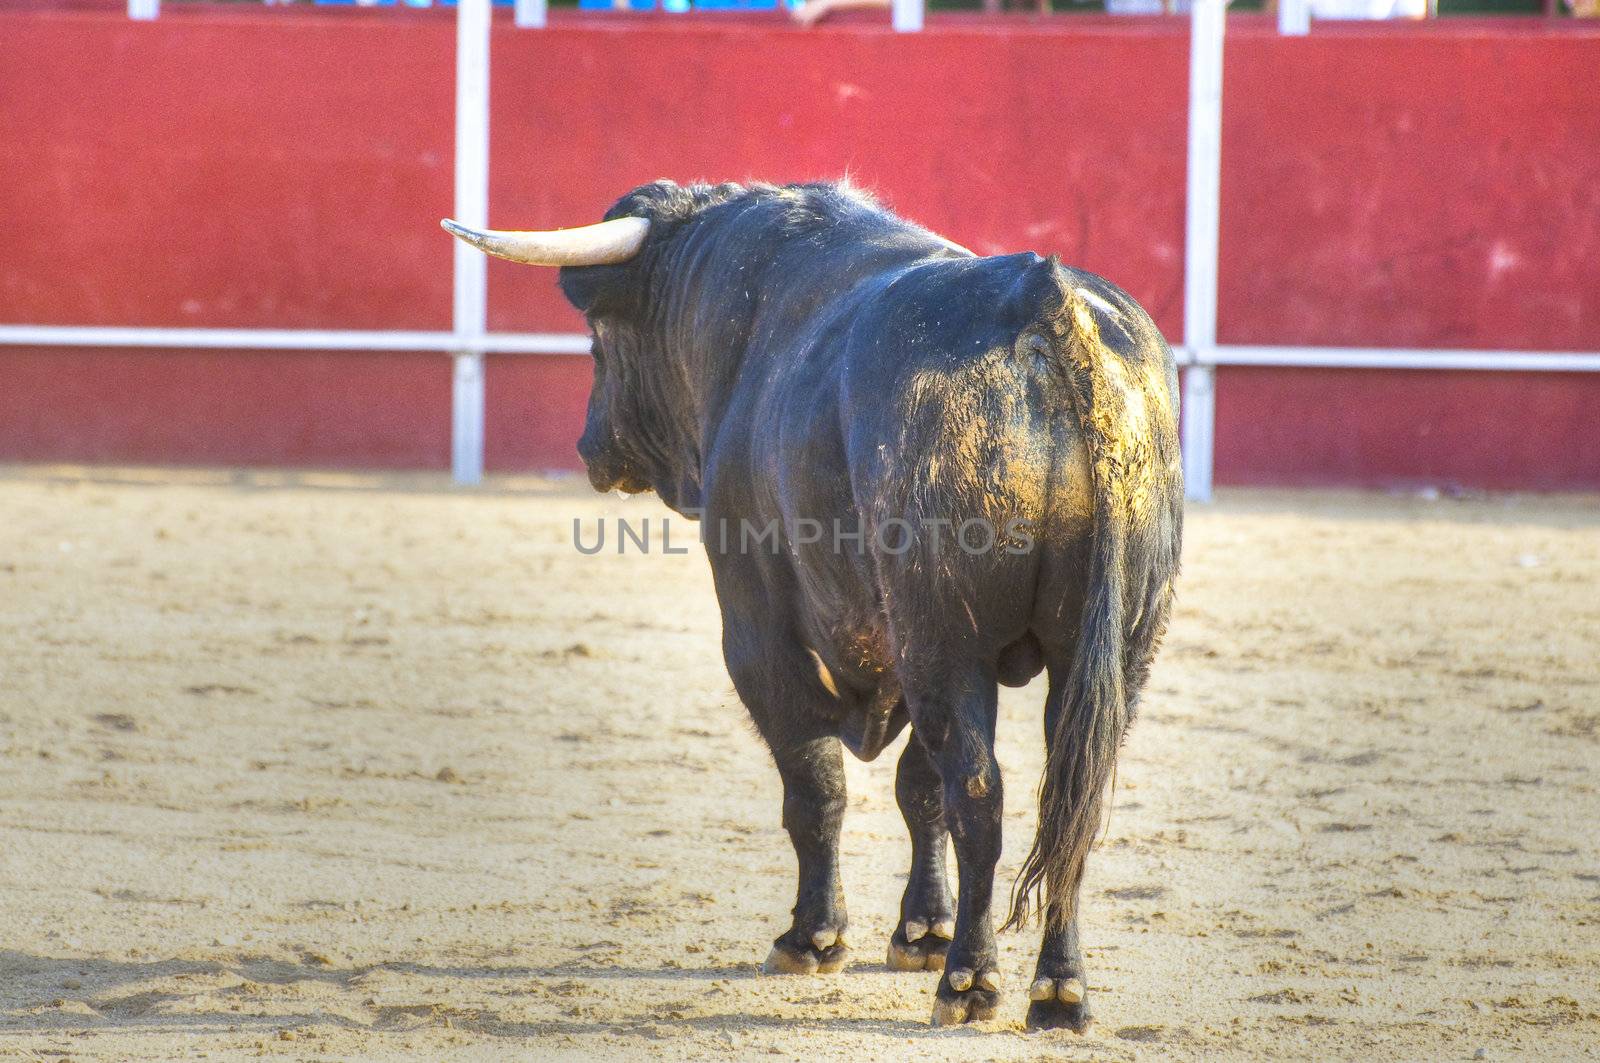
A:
[(601, 290), (619, 290)]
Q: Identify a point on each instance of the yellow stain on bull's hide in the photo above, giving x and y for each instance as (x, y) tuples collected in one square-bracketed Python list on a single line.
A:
[(973, 439), (1120, 417), (979, 462)]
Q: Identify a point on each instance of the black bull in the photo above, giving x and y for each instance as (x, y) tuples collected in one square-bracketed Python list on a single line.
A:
[(988, 448)]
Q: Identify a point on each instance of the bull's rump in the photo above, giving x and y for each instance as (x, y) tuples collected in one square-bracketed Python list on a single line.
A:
[(980, 440), (960, 454), (925, 399)]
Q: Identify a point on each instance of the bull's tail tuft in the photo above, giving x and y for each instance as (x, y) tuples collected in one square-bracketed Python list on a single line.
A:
[(1089, 711)]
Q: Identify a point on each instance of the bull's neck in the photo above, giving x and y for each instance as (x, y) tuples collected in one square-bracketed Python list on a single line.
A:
[(700, 368), (677, 435)]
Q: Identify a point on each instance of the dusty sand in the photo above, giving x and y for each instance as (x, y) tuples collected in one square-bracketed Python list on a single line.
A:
[(329, 768)]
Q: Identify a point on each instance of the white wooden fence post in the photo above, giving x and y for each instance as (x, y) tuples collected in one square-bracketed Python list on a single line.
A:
[(1202, 218), (1294, 17), (530, 14), (470, 304), (907, 15)]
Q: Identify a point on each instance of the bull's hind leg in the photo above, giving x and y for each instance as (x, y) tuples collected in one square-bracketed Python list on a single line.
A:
[(957, 720), (780, 688), (927, 911), (1057, 997)]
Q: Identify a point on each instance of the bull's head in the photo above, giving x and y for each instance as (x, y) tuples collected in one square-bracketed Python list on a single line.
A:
[(626, 274), (608, 447)]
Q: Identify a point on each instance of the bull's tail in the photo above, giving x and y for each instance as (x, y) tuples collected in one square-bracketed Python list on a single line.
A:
[(1089, 708)]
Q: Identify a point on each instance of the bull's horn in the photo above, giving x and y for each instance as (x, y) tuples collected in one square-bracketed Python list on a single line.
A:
[(588, 245)]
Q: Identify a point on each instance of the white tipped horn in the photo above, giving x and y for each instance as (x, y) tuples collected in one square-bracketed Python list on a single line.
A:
[(588, 245)]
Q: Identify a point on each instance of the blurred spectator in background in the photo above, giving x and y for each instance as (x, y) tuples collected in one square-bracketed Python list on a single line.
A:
[(1329, 9), (811, 12)]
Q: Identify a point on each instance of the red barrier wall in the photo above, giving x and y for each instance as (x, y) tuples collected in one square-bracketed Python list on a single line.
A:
[(1384, 185)]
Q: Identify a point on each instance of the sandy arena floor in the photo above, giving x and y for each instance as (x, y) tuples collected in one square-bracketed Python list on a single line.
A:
[(330, 768)]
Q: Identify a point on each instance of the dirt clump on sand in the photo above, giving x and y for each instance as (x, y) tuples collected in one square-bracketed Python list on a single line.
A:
[(336, 767)]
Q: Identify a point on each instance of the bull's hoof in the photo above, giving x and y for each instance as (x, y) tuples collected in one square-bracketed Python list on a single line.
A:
[(1058, 1004), (916, 946), (966, 995), (826, 953)]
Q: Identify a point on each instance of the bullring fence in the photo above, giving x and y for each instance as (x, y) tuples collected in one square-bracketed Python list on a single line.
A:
[(470, 338)]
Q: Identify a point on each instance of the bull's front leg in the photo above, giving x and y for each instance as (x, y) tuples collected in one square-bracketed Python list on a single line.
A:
[(973, 804), (927, 911)]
